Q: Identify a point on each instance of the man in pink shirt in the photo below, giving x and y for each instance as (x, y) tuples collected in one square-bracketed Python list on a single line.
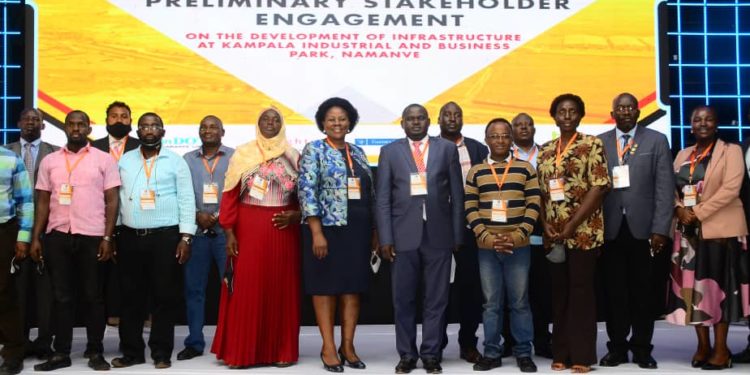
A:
[(77, 201)]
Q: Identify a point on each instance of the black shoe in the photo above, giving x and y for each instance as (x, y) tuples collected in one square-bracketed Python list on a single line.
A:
[(698, 363), (127, 361), (331, 368), (97, 363), (543, 350), (358, 364), (711, 366), (57, 361), (162, 363), (487, 364), (11, 367), (405, 365), (432, 366), (470, 354), (743, 356), (526, 364), (645, 361), (613, 359), (188, 353)]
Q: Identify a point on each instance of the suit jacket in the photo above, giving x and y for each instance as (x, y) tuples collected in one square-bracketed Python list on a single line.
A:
[(399, 215), (720, 209), (44, 150), (477, 151), (103, 144), (649, 201)]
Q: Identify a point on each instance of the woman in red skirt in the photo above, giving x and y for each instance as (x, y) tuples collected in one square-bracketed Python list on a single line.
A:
[(259, 315)]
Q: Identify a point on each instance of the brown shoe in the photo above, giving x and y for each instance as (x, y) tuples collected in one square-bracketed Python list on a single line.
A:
[(470, 354)]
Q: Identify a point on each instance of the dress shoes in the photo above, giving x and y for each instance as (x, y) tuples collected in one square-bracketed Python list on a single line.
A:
[(127, 361), (645, 361), (331, 368), (526, 364), (188, 353), (358, 364), (405, 365), (97, 363), (57, 361), (487, 363), (432, 366), (743, 356), (470, 354), (11, 367), (162, 363), (613, 359)]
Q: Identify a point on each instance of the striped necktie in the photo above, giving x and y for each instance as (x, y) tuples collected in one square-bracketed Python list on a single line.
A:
[(419, 157), (28, 162)]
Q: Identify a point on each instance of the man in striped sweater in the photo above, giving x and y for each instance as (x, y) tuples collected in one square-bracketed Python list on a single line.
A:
[(502, 205)]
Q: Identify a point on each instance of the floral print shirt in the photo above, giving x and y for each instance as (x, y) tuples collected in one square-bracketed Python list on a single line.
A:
[(582, 167)]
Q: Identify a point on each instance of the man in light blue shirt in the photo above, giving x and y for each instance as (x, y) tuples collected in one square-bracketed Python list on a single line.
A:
[(157, 212)]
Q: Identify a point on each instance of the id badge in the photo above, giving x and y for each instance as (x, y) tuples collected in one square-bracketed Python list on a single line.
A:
[(499, 211), (621, 177), (353, 188), (65, 194), (259, 188), (418, 184), (148, 200), (557, 189), (211, 193), (691, 195)]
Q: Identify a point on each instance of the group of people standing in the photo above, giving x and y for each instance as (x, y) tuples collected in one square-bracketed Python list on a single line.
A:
[(526, 224)]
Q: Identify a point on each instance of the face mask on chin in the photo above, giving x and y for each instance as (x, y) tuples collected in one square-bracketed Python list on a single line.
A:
[(119, 130), (151, 146)]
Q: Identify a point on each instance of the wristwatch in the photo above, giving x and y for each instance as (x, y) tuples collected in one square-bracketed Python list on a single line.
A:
[(188, 240), (107, 238)]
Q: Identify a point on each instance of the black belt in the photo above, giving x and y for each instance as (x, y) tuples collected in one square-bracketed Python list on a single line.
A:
[(147, 231), (12, 221)]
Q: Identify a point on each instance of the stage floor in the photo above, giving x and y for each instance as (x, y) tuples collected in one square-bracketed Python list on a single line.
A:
[(376, 346)]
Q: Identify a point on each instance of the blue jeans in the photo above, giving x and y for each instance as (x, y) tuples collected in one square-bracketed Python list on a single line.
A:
[(204, 249), (500, 272)]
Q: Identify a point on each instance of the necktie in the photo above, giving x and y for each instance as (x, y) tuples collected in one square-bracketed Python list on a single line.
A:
[(625, 139), (28, 162), (419, 157)]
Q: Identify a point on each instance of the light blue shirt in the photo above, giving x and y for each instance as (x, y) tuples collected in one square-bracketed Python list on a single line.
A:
[(172, 185), (619, 134), (34, 150), (16, 195)]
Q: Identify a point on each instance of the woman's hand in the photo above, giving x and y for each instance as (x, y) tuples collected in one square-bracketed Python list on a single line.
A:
[(568, 231), (319, 245), (551, 232), (231, 246), (283, 219), (686, 216)]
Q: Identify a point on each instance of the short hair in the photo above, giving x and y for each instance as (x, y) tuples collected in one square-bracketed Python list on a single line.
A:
[(78, 112), (440, 114), (31, 109), (707, 108), (221, 123), (410, 106), (118, 104), (147, 114), (572, 97), (522, 114), (342, 103), (497, 120), (631, 96)]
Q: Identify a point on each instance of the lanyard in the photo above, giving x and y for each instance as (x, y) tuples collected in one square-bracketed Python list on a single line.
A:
[(498, 181), (695, 160), (558, 159), (531, 155), (67, 162), (348, 154), (212, 168), (117, 154), (621, 151), (149, 167)]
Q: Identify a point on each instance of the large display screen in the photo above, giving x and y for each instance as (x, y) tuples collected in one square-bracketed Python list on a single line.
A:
[(185, 59)]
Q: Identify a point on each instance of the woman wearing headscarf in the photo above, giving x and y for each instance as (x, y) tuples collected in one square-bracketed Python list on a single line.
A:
[(259, 314)]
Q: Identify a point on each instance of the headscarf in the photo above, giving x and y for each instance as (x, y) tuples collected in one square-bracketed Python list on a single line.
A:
[(248, 156)]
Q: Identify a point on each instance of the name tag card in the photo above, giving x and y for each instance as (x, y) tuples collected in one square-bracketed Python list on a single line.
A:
[(353, 188), (499, 211), (557, 189), (691, 195), (211, 193), (148, 200), (65, 194), (418, 184), (259, 188), (621, 177)]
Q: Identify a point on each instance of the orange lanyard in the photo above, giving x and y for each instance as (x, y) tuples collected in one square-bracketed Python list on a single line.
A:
[(558, 159), (348, 154), (621, 151), (531, 155), (212, 168), (695, 160), (498, 181), (117, 154), (148, 168), (67, 162)]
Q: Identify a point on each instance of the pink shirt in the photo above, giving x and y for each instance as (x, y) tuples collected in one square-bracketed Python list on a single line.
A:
[(95, 173)]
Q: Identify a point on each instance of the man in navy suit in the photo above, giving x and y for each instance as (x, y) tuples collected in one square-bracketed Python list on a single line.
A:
[(420, 221), (466, 290)]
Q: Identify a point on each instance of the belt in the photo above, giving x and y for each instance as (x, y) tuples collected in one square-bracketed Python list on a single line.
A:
[(147, 231), (12, 221)]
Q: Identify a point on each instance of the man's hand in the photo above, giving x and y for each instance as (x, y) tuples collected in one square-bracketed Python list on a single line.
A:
[(686, 216), (183, 252), (22, 250), (388, 253), (503, 243), (231, 246), (658, 242), (36, 250), (105, 251), (205, 220), (285, 218)]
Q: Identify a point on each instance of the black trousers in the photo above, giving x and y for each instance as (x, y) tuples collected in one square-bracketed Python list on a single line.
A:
[(71, 260), (147, 266), (466, 293), (628, 271), (35, 295), (11, 330)]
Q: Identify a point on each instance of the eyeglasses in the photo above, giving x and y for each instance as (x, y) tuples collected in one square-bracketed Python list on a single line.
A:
[(497, 137), (150, 127)]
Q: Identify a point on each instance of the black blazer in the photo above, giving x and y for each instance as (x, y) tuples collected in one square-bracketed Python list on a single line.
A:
[(477, 151), (103, 144)]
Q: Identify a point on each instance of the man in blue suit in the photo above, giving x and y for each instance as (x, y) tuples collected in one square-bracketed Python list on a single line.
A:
[(420, 221)]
